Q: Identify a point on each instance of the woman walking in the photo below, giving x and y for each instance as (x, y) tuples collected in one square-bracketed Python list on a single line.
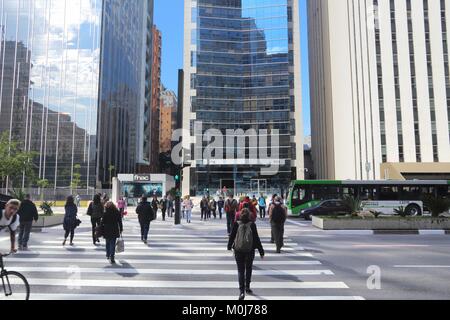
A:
[(122, 206), (155, 206), (95, 211), (112, 229), (70, 219), (244, 239), (188, 206)]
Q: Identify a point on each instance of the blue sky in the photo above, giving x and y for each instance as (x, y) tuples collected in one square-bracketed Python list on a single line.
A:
[(169, 18)]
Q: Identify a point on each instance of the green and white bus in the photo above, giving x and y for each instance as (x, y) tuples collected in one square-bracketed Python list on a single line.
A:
[(381, 196)]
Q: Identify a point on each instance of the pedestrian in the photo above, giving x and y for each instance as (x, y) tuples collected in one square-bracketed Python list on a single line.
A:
[(27, 212), (220, 205), (146, 215), (122, 206), (188, 206), (245, 240), (271, 205), (70, 219), (155, 206), (231, 207), (170, 207), (204, 208), (11, 220), (277, 218), (164, 204), (96, 211), (213, 208), (247, 204), (262, 206), (112, 229), (78, 200)]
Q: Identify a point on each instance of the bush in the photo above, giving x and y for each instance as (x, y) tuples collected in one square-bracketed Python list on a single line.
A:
[(17, 194), (47, 208), (437, 206), (353, 204), (400, 211)]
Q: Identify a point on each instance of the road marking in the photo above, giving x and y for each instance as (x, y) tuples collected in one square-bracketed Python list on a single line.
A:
[(147, 253), (432, 232), (422, 266), (160, 243), (70, 261), (183, 236), (137, 271), (183, 284), (390, 245), (155, 248), (118, 297)]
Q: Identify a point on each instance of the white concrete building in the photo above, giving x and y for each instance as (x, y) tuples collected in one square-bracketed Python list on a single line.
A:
[(380, 87)]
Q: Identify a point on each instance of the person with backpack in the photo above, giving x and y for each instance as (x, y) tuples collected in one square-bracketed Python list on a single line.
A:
[(112, 229), (146, 215), (96, 211), (277, 218), (231, 207), (27, 212), (70, 219), (245, 240), (10, 219)]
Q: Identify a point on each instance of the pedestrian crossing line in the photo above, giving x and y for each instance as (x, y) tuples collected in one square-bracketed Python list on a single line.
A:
[(154, 248), (183, 236), (118, 297), (146, 253), (71, 261), (168, 243), (196, 272), (183, 284)]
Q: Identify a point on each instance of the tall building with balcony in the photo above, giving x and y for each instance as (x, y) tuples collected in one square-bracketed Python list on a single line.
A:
[(242, 71), (380, 88), (71, 85)]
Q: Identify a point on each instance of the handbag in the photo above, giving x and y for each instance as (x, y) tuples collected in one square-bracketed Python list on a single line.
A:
[(77, 223), (120, 245), (99, 231)]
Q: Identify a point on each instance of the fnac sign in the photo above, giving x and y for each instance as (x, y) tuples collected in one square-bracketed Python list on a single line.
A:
[(141, 178)]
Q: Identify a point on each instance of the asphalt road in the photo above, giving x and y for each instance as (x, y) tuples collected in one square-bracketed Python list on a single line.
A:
[(191, 262)]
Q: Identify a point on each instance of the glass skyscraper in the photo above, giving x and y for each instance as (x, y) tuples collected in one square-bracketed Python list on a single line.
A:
[(59, 61), (242, 71)]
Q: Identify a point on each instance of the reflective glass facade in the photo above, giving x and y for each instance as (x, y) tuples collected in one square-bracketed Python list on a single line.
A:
[(49, 64), (72, 84), (243, 57)]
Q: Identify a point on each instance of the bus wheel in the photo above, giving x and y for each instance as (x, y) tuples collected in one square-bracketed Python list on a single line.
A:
[(413, 210)]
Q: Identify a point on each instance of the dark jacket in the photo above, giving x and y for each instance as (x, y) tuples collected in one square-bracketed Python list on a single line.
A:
[(155, 204), (112, 224), (70, 217), (145, 212), (28, 211), (95, 211), (256, 240)]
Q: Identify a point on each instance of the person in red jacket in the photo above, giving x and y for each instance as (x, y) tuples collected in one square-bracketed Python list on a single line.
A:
[(247, 204)]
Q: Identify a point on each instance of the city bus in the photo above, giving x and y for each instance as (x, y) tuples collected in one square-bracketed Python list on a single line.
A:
[(381, 196)]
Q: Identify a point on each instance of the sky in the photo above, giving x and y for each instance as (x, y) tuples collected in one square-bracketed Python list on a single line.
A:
[(169, 18)]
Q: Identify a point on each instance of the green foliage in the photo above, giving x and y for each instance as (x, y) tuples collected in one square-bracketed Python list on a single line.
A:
[(47, 208), (353, 204), (376, 214), (400, 212), (437, 206), (76, 178), (14, 162), (18, 194)]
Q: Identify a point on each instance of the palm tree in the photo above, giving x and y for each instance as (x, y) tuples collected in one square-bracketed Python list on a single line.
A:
[(354, 204)]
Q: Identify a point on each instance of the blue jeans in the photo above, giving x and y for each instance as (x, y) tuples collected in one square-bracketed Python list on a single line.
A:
[(111, 247), (24, 233)]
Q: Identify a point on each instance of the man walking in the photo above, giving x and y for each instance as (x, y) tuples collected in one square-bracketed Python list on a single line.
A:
[(27, 212), (231, 207), (277, 217), (262, 206), (146, 215)]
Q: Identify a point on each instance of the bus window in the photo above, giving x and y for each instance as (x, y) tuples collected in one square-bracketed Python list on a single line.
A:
[(410, 193), (367, 193), (389, 193), (443, 191), (299, 195)]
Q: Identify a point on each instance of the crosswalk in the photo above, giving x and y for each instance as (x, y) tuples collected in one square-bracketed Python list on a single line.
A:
[(179, 263)]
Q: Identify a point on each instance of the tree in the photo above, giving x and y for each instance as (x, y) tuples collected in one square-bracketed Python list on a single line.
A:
[(14, 163), (76, 177), (437, 206), (42, 184), (353, 204)]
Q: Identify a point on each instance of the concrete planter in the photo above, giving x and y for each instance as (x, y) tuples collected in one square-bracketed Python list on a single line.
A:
[(48, 221), (393, 223)]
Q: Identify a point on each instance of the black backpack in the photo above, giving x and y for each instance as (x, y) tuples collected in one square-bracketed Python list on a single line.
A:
[(278, 214)]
